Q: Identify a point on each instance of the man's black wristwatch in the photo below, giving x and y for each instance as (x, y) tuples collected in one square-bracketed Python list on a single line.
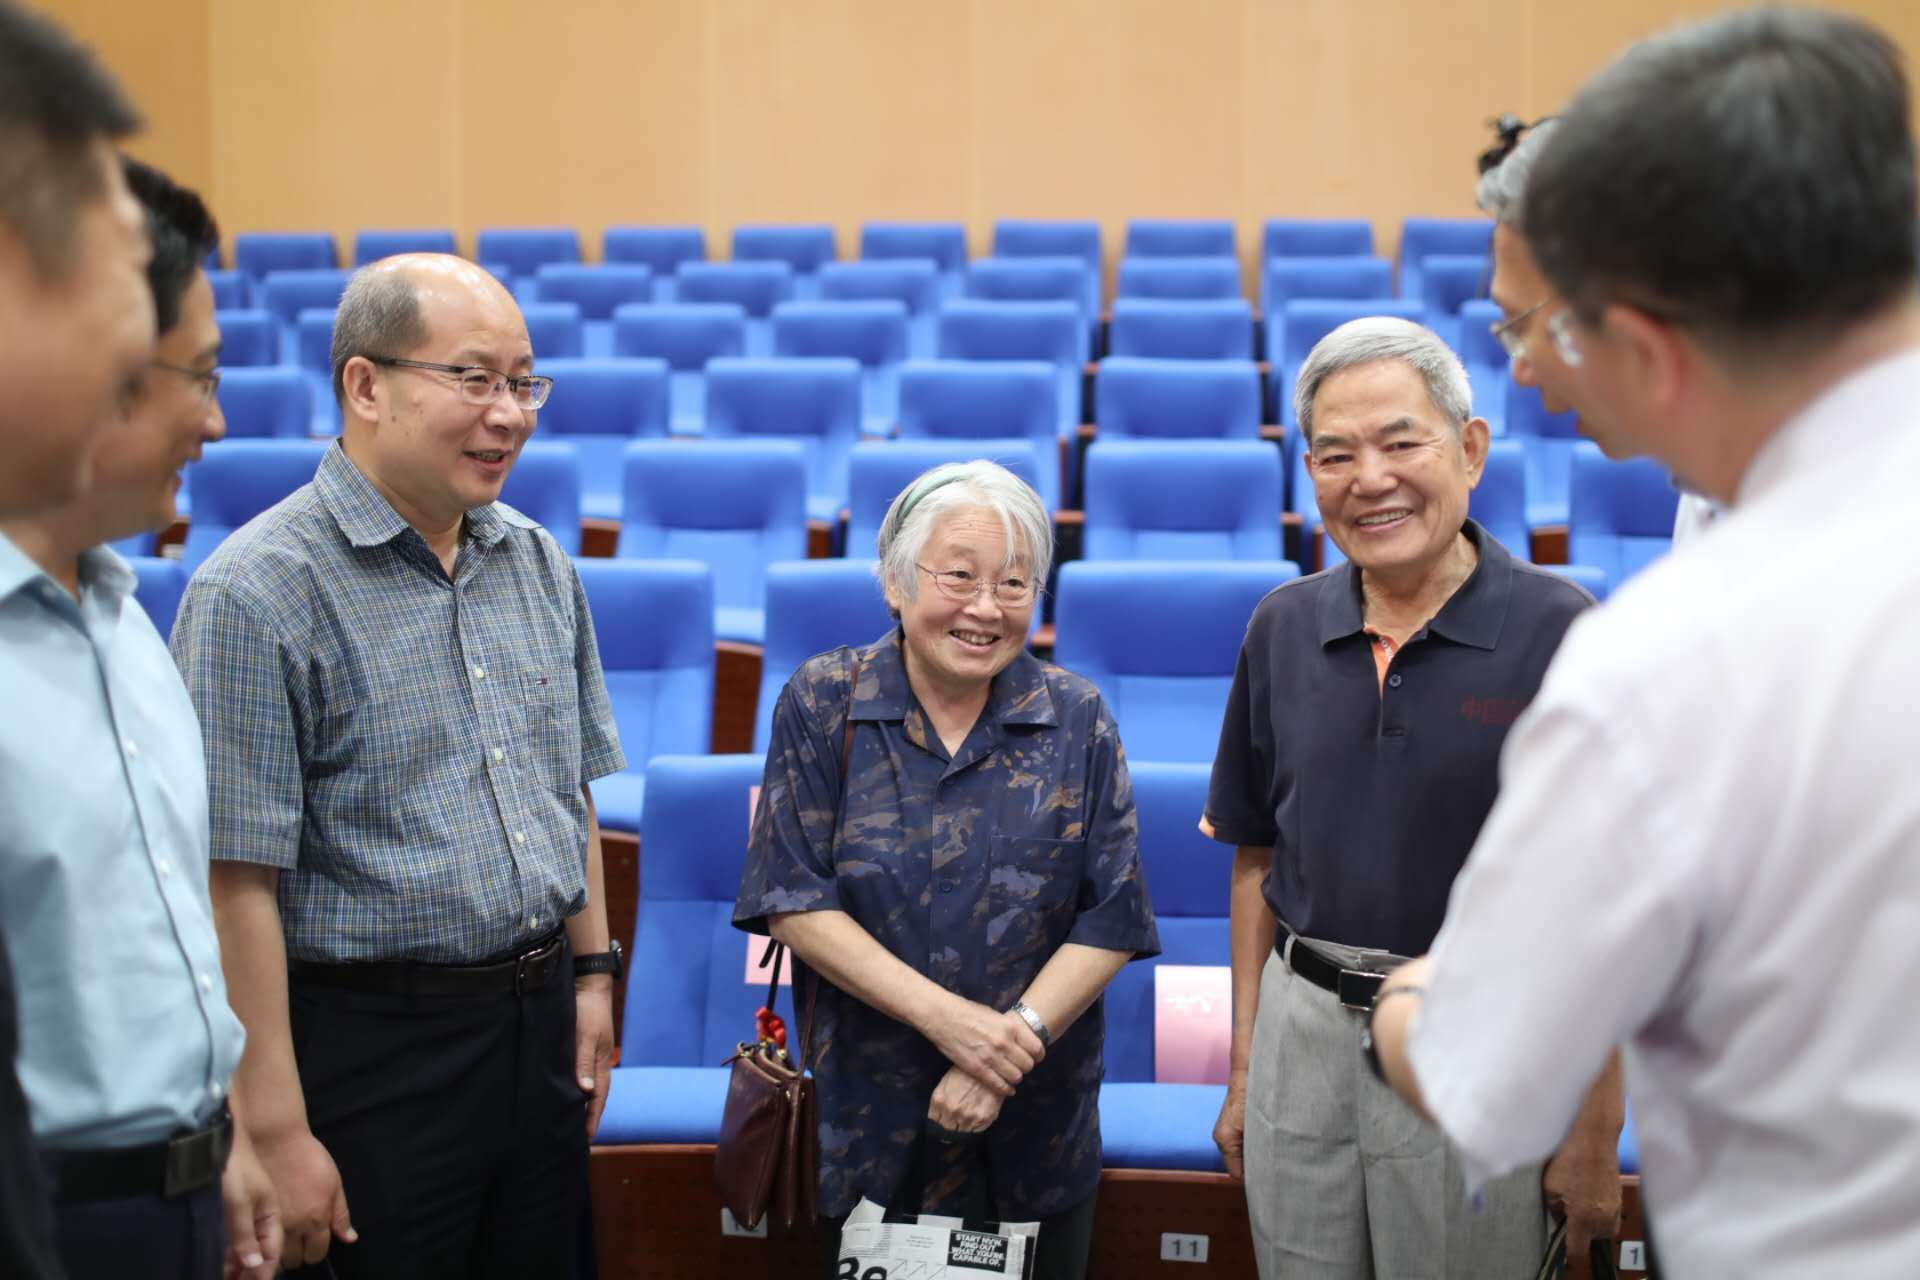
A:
[(613, 960)]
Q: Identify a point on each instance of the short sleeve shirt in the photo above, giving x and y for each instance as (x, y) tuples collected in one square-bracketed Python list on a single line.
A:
[(408, 748), (973, 869), (1371, 789)]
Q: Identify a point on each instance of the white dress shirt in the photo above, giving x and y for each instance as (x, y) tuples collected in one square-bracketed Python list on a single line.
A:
[(1707, 847)]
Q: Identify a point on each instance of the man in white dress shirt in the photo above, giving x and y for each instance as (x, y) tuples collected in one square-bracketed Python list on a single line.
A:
[(1715, 781)]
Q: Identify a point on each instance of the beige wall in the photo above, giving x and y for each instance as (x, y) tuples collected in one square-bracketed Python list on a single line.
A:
[(291, 114)]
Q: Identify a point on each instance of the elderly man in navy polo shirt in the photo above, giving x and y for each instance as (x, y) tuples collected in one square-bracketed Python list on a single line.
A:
[(1358, 758)]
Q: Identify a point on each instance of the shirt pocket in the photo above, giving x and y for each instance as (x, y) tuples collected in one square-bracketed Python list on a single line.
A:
[(552, 699), (1032, 889)]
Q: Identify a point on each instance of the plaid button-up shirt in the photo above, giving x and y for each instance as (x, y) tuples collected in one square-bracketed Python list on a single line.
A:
[(408, 749)]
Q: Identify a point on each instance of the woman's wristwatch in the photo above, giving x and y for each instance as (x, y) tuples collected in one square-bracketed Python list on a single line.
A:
[(1033, 1022)]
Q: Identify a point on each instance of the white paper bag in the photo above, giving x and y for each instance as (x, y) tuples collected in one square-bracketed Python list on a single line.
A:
[(931, 1247)]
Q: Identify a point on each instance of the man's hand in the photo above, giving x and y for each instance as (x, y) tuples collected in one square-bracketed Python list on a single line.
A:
[(313, 1206), (1582, 1187), (593, 1042), (1230, 1130), (963, 1104), (996, 1049), (254, 1237)]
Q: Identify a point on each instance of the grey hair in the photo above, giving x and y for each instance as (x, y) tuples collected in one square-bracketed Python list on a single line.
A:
[(379, 315), (935, 493), (1376, 338), (1503, 187)]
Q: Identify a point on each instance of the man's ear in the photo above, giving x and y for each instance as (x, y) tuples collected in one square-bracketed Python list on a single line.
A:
[(362, 391), (1474, 437), (1654, 357)]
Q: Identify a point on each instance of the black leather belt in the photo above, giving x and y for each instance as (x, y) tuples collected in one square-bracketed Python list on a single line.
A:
[(1354, 988), (177, 1167), (530, 970)]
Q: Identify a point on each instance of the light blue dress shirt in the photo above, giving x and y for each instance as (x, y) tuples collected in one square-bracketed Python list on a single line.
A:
[(125, 1032)]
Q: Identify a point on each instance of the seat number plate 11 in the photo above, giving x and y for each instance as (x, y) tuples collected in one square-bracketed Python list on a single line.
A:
[(1179, 1248)]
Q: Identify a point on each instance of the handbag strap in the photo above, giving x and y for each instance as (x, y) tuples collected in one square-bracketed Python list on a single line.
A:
[(1599, 1254)]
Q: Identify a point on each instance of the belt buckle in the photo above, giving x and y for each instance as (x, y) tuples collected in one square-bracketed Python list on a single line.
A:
[(1355, 981), (531, 970), (196, 1160)]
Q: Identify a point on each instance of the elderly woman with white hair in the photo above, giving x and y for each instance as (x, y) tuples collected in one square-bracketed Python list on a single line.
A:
[(946, 840)]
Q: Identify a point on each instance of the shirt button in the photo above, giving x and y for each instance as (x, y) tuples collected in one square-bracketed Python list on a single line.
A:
[(519, 837), (163, 867), (533, 922), (217, 1091), (1393, 681), (206, 984), (479, 673), (946, 886), (133, 752), (498, 755)]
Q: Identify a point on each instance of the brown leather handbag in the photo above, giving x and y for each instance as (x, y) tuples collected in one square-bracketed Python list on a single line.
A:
[(767, 1162)]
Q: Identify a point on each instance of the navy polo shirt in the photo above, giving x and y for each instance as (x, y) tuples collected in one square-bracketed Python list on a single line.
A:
[(1372, 796)]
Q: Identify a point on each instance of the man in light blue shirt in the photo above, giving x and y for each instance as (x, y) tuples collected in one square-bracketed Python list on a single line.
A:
[(128, 1046)]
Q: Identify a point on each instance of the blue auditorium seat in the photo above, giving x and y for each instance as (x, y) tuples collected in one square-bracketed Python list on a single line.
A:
[(287, 293), (1422, 237), (1144, 1125), (1282, 280), (1620, 514), (663, 249), (248, 339), (1180, 238), (805, 247), (1549, 439), (944, 242), (814, 606), (1033, 238), (1316, 238), (814, 402), (1498, 502), (1448, 281), (235, 480), (596, 290), (313, 354), (871, 332), (1051, 331), (1182, 500), (1488, 368), (912, 282), (756, 287), (556, 329), (1184, 399), (256, 253), (878, 473), (984, 401), (371, 246), (1160, 638), (158, 585), (274, 402), (1303, 322), (1221, 329), (544, 486), (524, 250), (1192, 279), (693, 1003), (735, 505), (686, 335), (1058, 278), (599, 406), (653, 621), (229, 289)]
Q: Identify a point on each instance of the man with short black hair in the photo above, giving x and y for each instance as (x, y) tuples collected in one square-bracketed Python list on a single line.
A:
[(1718, 766)]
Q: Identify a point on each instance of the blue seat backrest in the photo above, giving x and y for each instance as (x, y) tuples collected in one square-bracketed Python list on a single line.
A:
[(877, 473), (235, 480), (271, 403), (1186, 500), (544, 486), (313, 339), (985, 401), (248, 339), (1055, 278), (524, 250), (1488, 369), (556, 330), (653, 621), (371, 246), (256, 253), (1422, 237), (814, 606), (158, 584), (815, 401), (1160, 639), (288, 293), (661, 248), (874, 331), (1187, 878), (736, 505), (1188, 278), (758, 287), (1284, 280), (1620, 514), (230, 290), (597, 290), (805, 248), (623, 396), (1450, 280), (1180, 238), (972, 329), (1039, 238), (1499, 502), (684, 334), (1181, 329), (913, 282), (1315, 238), (695, 1002), (1183, 399), (944, 242)]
